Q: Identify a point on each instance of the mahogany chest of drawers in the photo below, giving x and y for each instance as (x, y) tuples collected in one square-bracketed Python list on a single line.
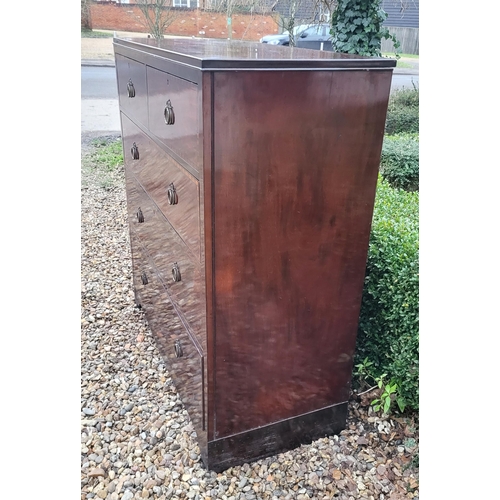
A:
[(251, 173)]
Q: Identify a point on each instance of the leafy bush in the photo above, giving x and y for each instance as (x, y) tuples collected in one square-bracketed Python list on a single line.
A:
[(402, 111), (399, 161), (388, 334)]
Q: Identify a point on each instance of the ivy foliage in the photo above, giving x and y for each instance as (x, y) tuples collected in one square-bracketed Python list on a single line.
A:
[(357, 28)]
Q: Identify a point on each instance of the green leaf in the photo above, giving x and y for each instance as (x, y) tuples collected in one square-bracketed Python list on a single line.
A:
[(387, 405), (401, 404)]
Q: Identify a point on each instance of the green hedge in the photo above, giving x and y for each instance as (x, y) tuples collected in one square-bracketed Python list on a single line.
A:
[(388, 328), (402, 111), (400, 160)]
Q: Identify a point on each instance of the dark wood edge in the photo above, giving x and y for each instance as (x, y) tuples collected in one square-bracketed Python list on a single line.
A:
[(275, 438), (208, 223), (143, 55), (295, 65)]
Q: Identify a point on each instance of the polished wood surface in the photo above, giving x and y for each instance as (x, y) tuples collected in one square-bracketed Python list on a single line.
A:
[(276, 437), (130, 70), (274, 161), (166, 251), (291, 237), (185, 360), (156, 172), (211, 54), (184, 136)]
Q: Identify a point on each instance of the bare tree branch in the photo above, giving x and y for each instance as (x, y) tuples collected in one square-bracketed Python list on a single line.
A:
[(158, 16)]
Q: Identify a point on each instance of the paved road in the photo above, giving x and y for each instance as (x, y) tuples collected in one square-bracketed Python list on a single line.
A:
[(99, 100), (399, 81), (100, 97), (99, 83)]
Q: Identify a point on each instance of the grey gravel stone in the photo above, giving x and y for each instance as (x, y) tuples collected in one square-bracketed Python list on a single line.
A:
[(128, 495)]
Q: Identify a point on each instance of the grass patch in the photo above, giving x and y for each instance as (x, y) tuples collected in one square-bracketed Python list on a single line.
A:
[(95, 34), (405, 56), (108, 154), (403, 64), (102, 162)]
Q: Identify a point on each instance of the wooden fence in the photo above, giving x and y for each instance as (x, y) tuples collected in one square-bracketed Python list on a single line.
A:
[(408, 38)]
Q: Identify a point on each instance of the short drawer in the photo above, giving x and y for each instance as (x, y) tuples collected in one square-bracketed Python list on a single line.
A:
[(175, 191), (132, 88), (174, 115)]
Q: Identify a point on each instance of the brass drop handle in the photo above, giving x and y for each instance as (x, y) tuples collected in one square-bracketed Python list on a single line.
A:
[(140, 216), (144, 278), (169, 114), (172, 195), (135, 151), (176, 272), (130, 88), (178, 349)]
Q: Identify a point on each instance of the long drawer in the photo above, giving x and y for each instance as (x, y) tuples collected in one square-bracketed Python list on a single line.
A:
[(175, 191), (185, 358), (132, 88), (182, 134), (179, 273)]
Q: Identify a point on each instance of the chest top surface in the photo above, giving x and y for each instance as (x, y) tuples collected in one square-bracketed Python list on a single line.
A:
[(215, 54)]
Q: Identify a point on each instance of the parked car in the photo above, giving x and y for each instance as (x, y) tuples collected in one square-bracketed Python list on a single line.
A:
[(303, 29), (315, 37)]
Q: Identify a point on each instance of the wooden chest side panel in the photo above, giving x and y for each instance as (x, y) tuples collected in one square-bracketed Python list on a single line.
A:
[(296, 158)]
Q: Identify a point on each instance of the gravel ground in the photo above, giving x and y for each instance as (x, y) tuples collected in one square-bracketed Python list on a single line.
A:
[(136, 437)]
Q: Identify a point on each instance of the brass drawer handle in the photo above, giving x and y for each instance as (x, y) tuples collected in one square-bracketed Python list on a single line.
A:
[(144, 278), (135, 151), (130, 88), (140, 216), (172, 195), (169, 114), (176, 272), (178, 349)]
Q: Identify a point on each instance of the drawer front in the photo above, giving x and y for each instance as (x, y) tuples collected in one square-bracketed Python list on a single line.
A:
[(178, 271), (146, 280), (175, 191), (184, 360), (183, 136), (132, 88)]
